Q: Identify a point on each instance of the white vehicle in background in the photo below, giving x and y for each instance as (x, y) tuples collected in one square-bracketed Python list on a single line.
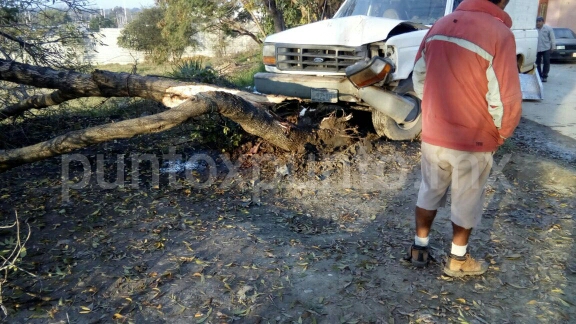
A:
[(364, 56)]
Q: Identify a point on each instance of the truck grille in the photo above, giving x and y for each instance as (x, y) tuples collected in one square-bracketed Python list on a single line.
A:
[(311, 58)]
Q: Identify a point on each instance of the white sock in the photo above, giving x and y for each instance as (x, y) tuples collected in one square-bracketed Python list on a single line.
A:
[(421, 241), (459, 250)]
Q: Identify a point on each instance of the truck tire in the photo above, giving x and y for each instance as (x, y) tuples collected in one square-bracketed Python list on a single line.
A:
[(410, 129)]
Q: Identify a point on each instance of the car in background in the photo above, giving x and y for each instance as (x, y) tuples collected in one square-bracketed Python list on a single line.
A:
[(565, 45)]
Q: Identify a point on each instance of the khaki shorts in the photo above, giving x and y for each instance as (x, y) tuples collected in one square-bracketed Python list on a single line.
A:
[(465, 173)]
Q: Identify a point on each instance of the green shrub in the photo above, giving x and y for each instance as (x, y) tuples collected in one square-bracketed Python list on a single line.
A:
[(196, 71), (215, 131)]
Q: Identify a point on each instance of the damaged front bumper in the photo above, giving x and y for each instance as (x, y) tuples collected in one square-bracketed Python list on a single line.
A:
[(302, 86), (334, 89)]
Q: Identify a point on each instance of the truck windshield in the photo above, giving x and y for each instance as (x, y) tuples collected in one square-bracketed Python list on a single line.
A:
[(564, 33), (419, 11)]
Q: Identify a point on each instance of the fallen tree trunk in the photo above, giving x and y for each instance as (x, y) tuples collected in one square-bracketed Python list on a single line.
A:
[(187, 101)]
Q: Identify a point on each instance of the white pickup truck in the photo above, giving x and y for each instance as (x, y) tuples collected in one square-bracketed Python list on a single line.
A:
[(311, 61)]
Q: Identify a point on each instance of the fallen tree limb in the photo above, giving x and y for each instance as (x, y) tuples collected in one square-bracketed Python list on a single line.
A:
[(186, 100), (48, 78), (37, 102), (255, 121), (94, 135), (73, 85)]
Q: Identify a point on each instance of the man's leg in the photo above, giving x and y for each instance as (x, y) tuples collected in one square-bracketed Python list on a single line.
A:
[(424, 220), (436, 177), (419, 253), (471, 171), (539, 63), (460, 235), (546, 63)]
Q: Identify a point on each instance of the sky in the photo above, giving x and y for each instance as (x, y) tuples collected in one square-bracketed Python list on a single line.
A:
[(106, 4)]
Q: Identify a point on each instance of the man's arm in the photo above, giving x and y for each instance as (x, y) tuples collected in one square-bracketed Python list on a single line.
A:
[(504, 93), (419, 73), (552, 38)]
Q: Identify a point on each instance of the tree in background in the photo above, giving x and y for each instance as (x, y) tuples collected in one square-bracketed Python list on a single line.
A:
[(33, 30), (53, 17), (177, 28), (215, 16), (149, 33), (144, 33), (121, 15), (41, 32), (101, 22), (8, 14), (299, 12), (233, 17), (273, 16)]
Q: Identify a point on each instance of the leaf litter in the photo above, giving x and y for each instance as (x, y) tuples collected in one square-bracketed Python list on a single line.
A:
[(317, 249)]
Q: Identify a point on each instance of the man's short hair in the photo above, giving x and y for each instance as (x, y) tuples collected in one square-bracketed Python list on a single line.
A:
[(495, 1), (540, 18)]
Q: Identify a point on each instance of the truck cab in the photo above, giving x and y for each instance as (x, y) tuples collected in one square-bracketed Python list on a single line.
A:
[(365, 54)]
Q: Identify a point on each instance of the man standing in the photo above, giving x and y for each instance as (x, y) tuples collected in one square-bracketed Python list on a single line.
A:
[(546, 43), (467, 77)]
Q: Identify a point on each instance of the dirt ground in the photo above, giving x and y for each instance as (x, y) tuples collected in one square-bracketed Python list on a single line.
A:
[(287, 239)]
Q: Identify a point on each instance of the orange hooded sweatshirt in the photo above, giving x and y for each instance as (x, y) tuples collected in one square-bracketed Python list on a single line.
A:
[(467, 77)]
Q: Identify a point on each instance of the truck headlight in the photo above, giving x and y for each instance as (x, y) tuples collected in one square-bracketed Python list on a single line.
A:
[(366, 73), (269, 54)]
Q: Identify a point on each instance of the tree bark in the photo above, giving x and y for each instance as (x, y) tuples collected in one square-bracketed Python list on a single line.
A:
[(38, 102), (277, 16)]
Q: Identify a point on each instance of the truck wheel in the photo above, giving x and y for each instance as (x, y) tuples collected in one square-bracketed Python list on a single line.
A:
[(408, 130), (386, 126)]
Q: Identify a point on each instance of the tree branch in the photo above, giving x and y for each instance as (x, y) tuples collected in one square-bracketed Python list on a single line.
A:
[(94, 135), (9, 263), (247, 33), (74, 85), (235, 27), (254, 18), (17, 40), (38, 102)]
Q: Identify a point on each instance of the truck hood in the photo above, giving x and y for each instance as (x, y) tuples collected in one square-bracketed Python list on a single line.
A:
[(565, 41), (345, 31)]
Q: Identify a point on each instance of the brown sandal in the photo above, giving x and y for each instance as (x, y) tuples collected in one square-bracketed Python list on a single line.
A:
[(419, 256)]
